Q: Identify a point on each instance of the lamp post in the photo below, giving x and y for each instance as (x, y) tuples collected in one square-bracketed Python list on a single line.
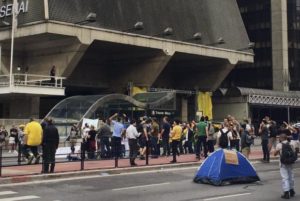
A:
[(13, 29)]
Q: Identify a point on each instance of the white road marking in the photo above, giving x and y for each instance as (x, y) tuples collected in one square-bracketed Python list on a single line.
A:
[(226, 196), (142, 186), (7, 192), (95, 176), (28, 197)]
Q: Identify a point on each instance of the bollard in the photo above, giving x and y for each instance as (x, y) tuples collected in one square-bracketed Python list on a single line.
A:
[(147, 152), (0, 160), (116, 153), (19, 153), (82, 156)]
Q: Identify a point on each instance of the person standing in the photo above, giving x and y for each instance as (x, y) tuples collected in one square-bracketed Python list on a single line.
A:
[(50, 144), (286, 169), (154, 138), (222, 136), (13, 139), (118, 129), (52, 75), (246, 141), (91, 143), (264, 133), (165, 136), (201, 134), (132, 135), (32, 139), (175, 136), (104, 134)]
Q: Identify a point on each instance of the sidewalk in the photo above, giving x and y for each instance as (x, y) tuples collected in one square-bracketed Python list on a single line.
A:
[(25, 173)]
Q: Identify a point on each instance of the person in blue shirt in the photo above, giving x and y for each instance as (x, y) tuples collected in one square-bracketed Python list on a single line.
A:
[(118, 130)]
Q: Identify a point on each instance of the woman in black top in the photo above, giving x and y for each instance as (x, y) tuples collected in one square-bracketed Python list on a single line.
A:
[(91, 143)]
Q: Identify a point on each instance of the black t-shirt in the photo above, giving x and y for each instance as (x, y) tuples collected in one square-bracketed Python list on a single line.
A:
[(273, 131), (166, 127), (92, 134)]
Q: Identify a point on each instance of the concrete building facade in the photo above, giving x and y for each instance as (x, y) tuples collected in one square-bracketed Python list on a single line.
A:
[(182, 45)]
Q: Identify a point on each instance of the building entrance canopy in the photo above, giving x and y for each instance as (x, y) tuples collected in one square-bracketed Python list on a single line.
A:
[(73, 109)]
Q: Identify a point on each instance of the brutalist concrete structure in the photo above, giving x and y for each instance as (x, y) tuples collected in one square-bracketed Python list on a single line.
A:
[(183, 44)]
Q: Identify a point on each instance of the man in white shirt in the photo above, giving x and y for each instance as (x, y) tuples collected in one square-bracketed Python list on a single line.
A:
[(132, 135), (286, 170)]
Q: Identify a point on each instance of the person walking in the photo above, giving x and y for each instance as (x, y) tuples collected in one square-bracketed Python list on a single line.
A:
[(50, 144), (32, 139), (175, 137), (154, 138), (132, 135), (286, 165)]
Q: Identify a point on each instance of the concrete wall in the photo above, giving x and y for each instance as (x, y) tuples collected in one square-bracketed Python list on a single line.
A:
[(238, 110)]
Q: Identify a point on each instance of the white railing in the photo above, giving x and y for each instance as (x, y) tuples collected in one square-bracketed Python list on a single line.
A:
[(32, 80)]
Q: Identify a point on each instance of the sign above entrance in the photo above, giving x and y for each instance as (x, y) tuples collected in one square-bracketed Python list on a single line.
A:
[(7, 10)]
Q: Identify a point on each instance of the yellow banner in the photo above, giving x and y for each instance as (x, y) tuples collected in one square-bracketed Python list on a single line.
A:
[(138, 90), (231, 157), (205, 104)]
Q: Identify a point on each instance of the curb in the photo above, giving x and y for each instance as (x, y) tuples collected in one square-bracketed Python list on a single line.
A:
[(110, 171)]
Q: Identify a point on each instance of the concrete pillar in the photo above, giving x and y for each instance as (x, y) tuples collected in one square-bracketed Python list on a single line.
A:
[(184, 109), (280, 45)]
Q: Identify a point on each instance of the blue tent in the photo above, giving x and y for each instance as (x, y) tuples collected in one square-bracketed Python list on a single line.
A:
[(226, 166)]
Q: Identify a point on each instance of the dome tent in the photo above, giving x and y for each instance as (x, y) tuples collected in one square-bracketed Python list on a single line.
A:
[(226, 166)]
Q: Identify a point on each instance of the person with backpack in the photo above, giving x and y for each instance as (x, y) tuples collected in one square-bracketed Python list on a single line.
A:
[(222, 136), (288, 156), (247, 140)]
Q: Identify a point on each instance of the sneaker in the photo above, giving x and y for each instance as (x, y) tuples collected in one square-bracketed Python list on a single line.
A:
[(37, 159), (15, 152), (30, 158), (9, 151)]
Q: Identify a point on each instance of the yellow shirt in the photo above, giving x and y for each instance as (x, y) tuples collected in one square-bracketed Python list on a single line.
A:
[(176, 133), (33, 133)]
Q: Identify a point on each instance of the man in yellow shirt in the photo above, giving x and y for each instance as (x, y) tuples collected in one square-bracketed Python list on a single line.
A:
[(175, 136), (32, 139)]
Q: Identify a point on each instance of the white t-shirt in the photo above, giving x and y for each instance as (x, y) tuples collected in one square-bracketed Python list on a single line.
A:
[(131, 132)]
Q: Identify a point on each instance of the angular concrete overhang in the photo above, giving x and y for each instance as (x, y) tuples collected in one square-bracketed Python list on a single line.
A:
[(174, 56), (87, 35), (33, 90)]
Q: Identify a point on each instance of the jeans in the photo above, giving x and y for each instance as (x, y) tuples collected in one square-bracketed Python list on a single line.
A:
[(210, 146), (265, 148), (105, 148), (201, 144), (287, 175), (166, 146), (33, 149), (154, 146)]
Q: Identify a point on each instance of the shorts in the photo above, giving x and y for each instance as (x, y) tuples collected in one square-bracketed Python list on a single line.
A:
[(12, 140), (273, 142), (142, 142)]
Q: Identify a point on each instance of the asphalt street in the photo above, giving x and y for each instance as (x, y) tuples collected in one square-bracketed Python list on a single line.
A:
[(163, 185)]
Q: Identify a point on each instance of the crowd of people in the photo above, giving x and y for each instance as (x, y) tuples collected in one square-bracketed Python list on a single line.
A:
[(118, 135)]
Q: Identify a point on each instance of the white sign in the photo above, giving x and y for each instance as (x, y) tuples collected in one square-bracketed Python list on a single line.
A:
[(7, 10)]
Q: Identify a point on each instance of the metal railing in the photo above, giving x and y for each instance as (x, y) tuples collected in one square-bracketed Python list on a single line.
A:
[(80, 157), (32, 80)]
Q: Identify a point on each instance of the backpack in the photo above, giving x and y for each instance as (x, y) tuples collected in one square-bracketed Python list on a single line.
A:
[(223, 140), (288, 156)]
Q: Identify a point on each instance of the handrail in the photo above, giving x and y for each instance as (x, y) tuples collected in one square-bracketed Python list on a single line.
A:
[(32, 80)]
